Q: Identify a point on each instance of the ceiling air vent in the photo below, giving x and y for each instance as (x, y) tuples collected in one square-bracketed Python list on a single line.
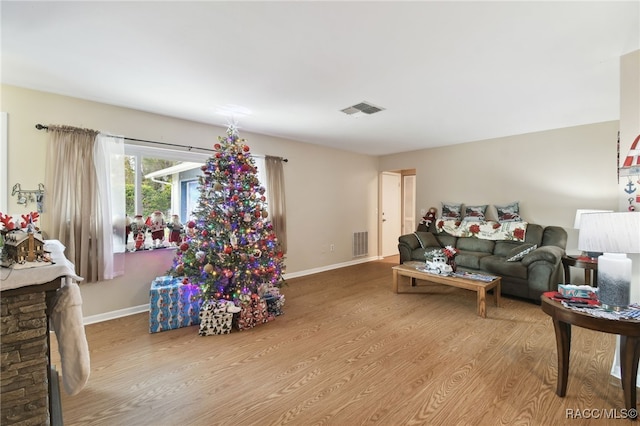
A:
[(362, 108)]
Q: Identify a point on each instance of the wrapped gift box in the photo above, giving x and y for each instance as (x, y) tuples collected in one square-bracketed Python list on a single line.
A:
[(274, 304), (253, 312), (275, 300), (173, 304), (216, 317)]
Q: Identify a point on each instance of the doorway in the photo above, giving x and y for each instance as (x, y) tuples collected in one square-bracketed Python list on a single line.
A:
[(397, 208)]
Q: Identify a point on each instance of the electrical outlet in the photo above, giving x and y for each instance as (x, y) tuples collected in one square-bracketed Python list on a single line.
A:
[(423, 212), (332, 248)]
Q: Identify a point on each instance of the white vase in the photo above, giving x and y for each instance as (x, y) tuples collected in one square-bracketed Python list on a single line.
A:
[(614, 280)]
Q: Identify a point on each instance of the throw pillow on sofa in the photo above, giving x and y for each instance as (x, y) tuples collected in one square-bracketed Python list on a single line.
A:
[(451, 211), (517, 253), (509, 213), (475, 213)]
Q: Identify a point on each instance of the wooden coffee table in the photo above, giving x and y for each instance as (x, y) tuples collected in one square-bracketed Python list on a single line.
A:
[(480, 287)]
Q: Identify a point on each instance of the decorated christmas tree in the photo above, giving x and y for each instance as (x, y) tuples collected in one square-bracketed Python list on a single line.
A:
[(230, 249)]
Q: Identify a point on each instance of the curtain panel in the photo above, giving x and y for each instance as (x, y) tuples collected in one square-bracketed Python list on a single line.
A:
[(109, 163), (276, 199), (76, 198)]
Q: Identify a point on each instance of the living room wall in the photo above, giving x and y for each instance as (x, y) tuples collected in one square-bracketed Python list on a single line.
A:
[(322, 207), (551, 173)]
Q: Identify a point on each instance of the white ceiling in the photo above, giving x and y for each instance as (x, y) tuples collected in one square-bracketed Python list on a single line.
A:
[(445, 72)]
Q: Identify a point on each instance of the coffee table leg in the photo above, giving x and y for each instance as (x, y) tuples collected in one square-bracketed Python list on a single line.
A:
[(482, 306), (394, 283), (563, 347), (496, 294)]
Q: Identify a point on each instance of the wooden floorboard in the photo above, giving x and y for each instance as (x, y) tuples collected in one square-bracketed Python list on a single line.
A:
[(348, 351)]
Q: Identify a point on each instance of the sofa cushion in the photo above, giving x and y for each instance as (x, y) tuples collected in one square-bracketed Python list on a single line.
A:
[(534, 234), (470, 259), (499, 266), (475, 244), (447, 240), (426, 239), (517, 253), (503, 248), (554, 236), (474, 213), (419, 254)]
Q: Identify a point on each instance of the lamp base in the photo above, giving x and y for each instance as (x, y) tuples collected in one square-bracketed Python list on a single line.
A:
[(614, 281)]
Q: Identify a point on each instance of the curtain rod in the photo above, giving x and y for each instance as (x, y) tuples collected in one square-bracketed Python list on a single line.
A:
[(43, 127)]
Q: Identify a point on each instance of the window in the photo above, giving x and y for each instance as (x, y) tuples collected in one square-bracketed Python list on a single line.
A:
[(165, 180), (161, 180)]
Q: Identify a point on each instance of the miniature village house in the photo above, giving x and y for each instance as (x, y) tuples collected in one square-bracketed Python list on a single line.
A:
[(24, 246)]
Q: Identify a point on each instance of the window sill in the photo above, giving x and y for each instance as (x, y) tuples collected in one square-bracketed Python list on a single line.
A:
[(148, 250)]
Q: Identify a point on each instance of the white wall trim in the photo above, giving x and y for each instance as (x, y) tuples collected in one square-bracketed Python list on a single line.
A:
[(329, 267), (92, 319)]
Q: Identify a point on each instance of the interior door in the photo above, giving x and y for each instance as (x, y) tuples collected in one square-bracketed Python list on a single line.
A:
[(391, 225)]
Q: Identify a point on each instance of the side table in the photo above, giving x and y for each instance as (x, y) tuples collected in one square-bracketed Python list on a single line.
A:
[(586, 264), (629, 331)]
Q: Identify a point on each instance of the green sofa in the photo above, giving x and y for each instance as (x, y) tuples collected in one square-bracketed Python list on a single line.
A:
[(538, 270)]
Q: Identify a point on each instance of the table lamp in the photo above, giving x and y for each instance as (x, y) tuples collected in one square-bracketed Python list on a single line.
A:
[(614, 234), (576, 225)]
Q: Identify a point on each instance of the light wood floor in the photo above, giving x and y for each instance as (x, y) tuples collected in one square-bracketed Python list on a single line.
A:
[(348, 351)]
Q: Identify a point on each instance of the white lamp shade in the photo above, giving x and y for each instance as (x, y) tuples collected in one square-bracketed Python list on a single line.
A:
[(613, 232), (580, 212)]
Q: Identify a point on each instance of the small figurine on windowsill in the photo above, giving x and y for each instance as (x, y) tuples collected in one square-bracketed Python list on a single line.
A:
[(156, 225), (138, 229), (176, 230), (139, 244)]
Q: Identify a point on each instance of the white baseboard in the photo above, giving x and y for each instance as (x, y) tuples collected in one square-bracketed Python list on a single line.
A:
[(329, 267), (91, 319)]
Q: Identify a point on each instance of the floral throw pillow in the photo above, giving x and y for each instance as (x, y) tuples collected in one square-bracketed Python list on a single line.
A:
[(451, 211), (509, 213), (475, 213)]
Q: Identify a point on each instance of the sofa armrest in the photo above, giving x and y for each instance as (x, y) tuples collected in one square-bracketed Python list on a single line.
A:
[(409, 240), (551, 254), (406, 245)]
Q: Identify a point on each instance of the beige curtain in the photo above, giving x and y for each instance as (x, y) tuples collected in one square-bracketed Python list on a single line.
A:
[(72, 197), (276, 199)]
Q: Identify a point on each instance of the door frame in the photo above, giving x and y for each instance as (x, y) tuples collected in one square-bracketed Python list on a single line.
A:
[(401, 213)]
